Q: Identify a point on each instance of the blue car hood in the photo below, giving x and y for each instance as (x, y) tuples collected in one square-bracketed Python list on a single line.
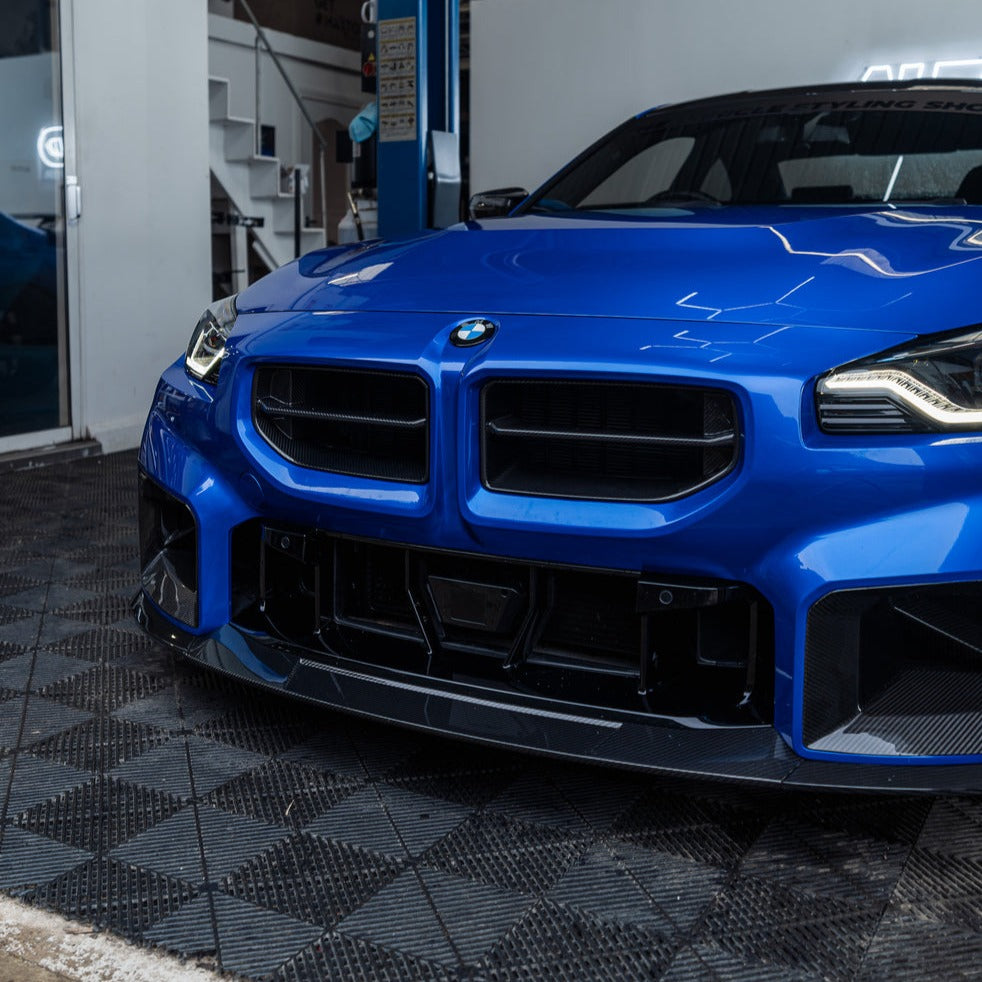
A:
[(906, 270)]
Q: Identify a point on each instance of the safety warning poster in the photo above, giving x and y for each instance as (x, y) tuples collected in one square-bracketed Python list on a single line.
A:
[(397, 103)]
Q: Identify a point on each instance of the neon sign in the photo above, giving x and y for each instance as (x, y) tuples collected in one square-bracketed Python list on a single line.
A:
[(950, 68), (51, 146)]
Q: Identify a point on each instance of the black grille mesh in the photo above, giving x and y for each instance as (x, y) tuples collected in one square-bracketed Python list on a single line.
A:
[(605, 440), (348, 421)]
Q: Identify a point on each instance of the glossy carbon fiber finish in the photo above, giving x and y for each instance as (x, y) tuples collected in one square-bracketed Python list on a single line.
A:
[(895, 671), (142, 794)]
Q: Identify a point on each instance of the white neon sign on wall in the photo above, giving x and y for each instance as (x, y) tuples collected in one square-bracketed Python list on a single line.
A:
[(51, 146), (950, 68)]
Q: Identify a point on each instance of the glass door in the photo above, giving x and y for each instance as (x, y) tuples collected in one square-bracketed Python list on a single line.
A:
[(34, 369)]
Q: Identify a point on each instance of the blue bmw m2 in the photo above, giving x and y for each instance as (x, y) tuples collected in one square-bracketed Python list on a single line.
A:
[(676, 466)]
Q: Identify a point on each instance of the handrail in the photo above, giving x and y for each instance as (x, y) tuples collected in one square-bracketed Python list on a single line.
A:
[(261, 34), (282, 71)]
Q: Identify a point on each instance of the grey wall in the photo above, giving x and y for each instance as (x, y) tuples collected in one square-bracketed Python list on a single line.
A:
[(550, 76)]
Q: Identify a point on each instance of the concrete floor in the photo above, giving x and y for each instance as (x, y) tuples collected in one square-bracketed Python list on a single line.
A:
[(37, 946)]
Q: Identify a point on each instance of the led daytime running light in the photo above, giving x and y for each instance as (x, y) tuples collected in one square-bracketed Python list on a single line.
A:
[(207, 346), (906, 389)]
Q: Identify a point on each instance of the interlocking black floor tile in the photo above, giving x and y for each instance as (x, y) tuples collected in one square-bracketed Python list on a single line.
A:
[(813, 860), (283, 793), (908, 947), (42, 719), (953, 827), (437, 917), (9, 614), (709, 831), (885, 818), (155, 661), (99, 814), (103, 610), (462, 773), (553, 942), (756, 919), (710, 963), (942, 888), (27, 860), (169, 767), (26, 780), (587, 800), (389, 820), (160, 710), (11, 649), (503, 852), (353, 750), (101, 743), (50, 566), (19, 627), (313, 879), (270, 725), (102, 581), (11, 583), (104, 554), (172, 847), (53, 629), (38, 669), (338, 958), (104, 687), (250, 939), (103, 643), (114, 895), (616, 881), (48, 596)]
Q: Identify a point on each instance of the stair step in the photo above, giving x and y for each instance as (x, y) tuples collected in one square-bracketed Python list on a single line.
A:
[(240, 139), (217, 97), (315, 235), (282, 219), (264, 176)]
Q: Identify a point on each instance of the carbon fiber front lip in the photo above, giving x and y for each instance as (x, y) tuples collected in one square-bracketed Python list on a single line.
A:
[(753, 754)]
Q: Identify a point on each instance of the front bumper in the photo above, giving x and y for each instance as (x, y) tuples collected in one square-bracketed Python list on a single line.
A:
[(804, 522), (740, 753)]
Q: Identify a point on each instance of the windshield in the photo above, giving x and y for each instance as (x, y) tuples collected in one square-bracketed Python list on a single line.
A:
[(741, 153)]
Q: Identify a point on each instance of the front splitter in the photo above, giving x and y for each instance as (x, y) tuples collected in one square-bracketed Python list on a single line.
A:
[(755, 754)]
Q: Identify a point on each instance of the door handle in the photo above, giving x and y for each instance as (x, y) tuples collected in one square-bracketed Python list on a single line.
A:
[(73, 199)]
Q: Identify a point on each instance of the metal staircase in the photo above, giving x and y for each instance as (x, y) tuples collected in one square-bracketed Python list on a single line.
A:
[(253, 183)]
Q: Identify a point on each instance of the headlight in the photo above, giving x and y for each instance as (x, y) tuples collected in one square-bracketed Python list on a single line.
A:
[(207, 346), (934, 387)]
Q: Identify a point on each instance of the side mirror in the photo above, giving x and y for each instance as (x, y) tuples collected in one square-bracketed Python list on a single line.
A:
[(494, 204)]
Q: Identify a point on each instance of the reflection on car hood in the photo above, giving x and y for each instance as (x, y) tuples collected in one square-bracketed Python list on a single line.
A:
[(882, 268)]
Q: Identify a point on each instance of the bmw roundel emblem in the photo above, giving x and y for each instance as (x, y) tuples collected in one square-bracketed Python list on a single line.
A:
[(472, 331)]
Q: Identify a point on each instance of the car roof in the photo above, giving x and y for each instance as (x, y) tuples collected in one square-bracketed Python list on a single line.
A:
[(933, 85)]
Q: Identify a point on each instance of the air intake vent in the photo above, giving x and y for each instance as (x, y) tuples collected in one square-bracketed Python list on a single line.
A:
[(363, 423), (607, 441)]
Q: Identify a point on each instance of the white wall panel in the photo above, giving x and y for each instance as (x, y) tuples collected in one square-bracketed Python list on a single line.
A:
[(141, 99), (550, 76)]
